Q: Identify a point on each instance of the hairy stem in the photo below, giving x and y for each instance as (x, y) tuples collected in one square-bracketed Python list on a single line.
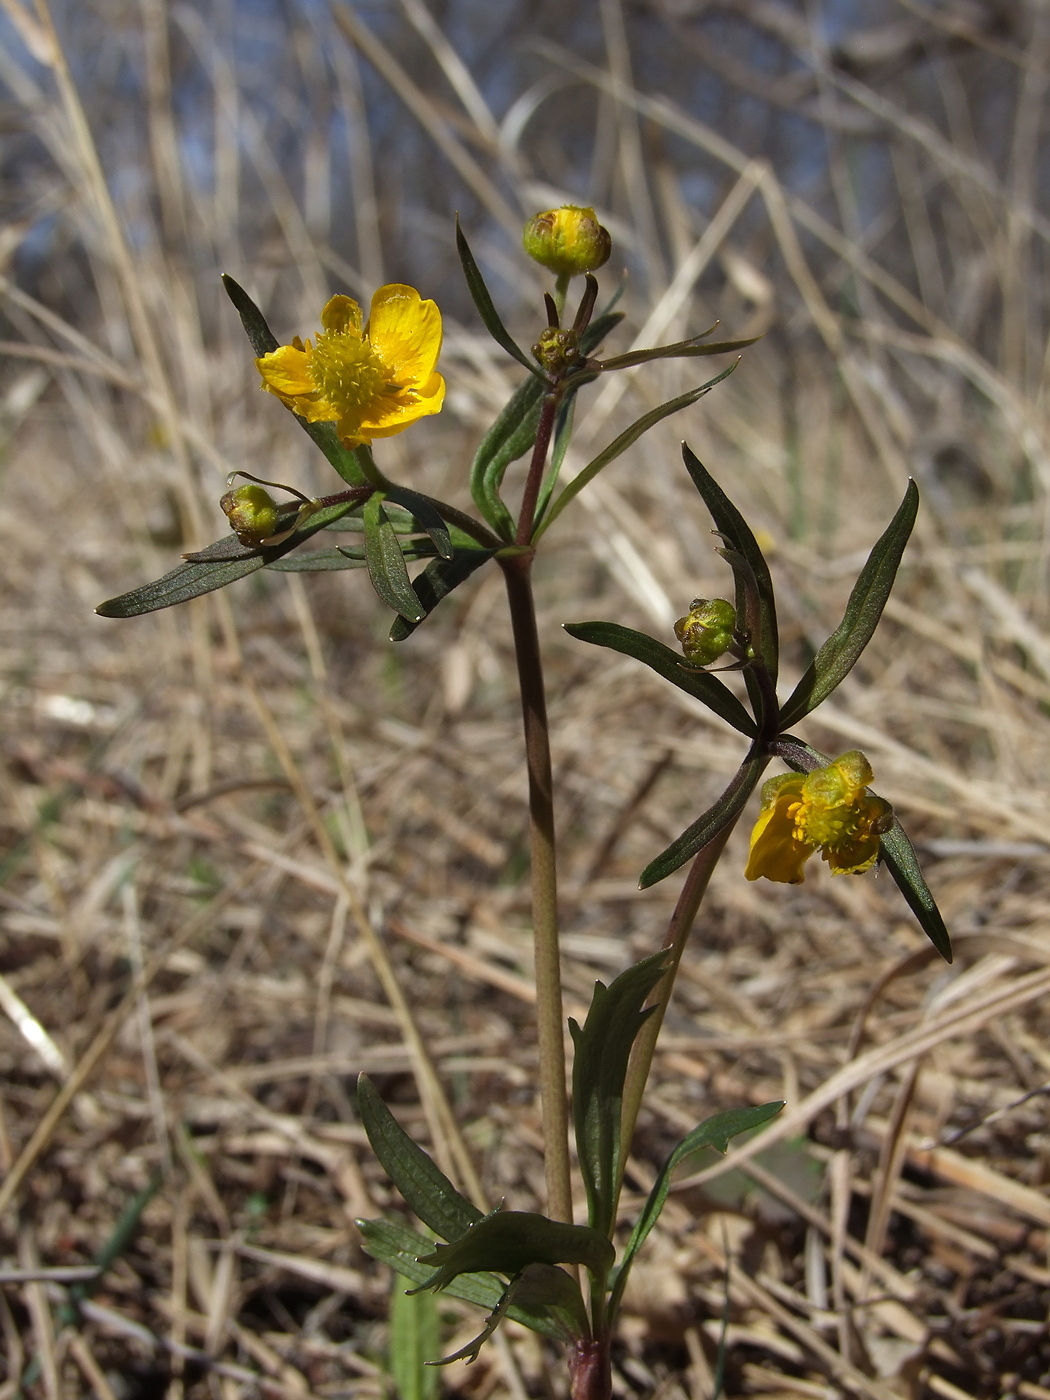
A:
[(517, 571), (678, 930), (544, 432), (590, 1373)]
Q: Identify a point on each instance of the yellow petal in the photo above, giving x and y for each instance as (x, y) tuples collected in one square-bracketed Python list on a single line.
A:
[(405, 333), (286, 371), (394, 412), (341, 314), (775, 853)]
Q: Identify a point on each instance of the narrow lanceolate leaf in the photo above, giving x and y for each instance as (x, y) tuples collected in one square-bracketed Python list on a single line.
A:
[(837, 657), (425, 512), (437, 581), (507, 1241), (487, 310), (900, 860), (668, 663), (758, 613), (681, 350), (221, 563), (386, 563), (415, 1343), (623, 442), (544, 1285), (264, 342), (602, 1050), (715, 1132), (709, 825), (510, 437), (425, 1187), (400, 1248)]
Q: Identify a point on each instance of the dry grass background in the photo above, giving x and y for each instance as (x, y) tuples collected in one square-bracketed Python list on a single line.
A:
[(251, 849)]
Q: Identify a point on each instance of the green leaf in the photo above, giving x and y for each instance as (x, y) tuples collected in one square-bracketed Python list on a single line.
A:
[(487, 310), (415, 1341), (506, 1241), (399, 1247), (437, 581), (425, 1187), (839, 654), (701, 685), (622, 443), (221, 563), (264, 342), (602, 1050), (682, 349), (715, 1132), (510, 437), (426, 512), (903, 864), (386, 563), (755, 607), (514, 433), (709, 825), (541, 1285)]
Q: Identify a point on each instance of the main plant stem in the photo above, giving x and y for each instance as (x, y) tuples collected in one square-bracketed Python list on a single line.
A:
[(678, 930), (517, 571)]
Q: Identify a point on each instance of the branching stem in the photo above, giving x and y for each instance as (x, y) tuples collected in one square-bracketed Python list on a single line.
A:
[(517, 572)]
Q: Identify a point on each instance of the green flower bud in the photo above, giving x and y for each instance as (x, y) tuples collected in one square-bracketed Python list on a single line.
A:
[(567, 241), (252, 513), (557, 350), (706, 631)]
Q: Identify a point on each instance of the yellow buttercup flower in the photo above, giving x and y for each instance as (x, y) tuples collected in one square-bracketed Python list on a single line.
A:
[(828, 810), (372, 381)]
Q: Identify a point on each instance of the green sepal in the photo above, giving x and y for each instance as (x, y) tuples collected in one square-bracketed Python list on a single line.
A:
[(399, 1247), (682, 349), (415, 1342), (264, 342), (506, 1241), (755, 608), (425, 1187), (715, 1132), (666, 662), (221, 563), (709, 824), (437, 581), (425, 512), (386, 563), (895, 851), (623, 442), (486, 308), (839, 654), (602, 1050)]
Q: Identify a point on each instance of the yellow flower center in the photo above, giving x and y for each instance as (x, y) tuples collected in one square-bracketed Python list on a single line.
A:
[(349, 373)]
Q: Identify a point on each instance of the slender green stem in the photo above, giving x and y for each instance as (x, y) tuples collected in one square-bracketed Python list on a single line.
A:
[(678, 930), (544, 433), (517, 571), (561, 291)]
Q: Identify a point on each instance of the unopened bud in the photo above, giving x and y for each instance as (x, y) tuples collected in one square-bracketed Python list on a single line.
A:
[(706, 631), (567, 241), (252, 513)]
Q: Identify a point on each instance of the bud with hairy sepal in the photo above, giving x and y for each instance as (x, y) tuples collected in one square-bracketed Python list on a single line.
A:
[(252, 513), (567, 241), (706, 631)]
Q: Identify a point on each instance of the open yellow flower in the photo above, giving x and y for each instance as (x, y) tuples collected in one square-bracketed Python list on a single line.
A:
[(371, 382), (828, 810)]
